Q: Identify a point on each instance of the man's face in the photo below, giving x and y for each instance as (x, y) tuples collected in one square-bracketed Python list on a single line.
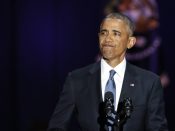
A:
[(113, 39)]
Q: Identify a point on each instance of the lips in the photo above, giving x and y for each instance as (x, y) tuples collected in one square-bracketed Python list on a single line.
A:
[(108, 45)]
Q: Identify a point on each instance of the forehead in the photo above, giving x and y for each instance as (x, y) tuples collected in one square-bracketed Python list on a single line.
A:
[(113, 23)]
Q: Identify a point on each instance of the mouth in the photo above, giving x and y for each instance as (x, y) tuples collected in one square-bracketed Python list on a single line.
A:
[(107, 45)]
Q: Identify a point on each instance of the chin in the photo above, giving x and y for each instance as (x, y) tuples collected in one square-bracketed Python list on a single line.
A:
[(107, 57)]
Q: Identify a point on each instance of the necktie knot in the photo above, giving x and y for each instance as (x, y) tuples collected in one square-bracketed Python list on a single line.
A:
[(112, 73)]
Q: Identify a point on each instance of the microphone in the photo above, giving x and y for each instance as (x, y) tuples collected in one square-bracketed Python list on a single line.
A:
[(128, 107), (109, 106), (109, 111)]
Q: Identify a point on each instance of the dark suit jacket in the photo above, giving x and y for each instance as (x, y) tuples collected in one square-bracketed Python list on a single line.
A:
[(82, 95)]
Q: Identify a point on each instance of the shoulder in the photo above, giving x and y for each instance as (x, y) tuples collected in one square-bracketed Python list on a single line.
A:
[(142, 73), (86, 70)]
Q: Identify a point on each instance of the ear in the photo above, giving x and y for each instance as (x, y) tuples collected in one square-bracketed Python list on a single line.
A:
[(131, 42)]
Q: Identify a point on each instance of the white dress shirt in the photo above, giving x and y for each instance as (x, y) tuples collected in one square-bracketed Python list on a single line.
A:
[(118, 77)]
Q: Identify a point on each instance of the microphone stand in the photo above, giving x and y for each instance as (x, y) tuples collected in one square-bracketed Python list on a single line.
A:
[(114, 118), (124, 114), (109, 110)]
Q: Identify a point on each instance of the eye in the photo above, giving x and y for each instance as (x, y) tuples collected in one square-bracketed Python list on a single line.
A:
[(103, 33), (117, 33)]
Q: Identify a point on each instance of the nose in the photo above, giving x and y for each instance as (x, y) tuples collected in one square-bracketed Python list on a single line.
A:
[(108, 38)]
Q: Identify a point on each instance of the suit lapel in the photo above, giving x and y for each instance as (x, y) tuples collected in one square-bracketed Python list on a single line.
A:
[(94, 83), (129, 83), (96, 94), (94, 86)]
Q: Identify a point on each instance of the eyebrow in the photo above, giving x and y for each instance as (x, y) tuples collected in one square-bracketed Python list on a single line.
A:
[(102, 30), (116, 31)]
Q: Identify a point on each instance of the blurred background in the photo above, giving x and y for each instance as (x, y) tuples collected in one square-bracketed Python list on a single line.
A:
[(43, 40)]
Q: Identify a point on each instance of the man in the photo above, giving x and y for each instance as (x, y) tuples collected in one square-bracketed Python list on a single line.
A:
[(84, 89)]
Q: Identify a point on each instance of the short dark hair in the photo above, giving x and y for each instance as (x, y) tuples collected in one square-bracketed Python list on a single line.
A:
[(124, 18)]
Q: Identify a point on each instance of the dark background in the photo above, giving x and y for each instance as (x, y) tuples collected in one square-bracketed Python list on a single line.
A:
[(42, 40)]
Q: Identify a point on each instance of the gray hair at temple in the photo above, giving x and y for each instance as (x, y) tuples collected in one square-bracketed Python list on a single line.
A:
[(124, 18)]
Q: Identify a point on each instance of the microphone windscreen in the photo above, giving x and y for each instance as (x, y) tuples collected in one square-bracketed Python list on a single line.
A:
[(109, 96)]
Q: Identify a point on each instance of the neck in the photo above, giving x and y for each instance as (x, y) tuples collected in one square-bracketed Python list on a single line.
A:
[(113, 63)]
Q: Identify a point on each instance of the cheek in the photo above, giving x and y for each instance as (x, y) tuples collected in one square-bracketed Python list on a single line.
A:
[(121, 43), (100, 41)]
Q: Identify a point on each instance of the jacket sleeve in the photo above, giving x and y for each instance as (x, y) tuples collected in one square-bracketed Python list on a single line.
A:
[(64, 108), (155, 117)]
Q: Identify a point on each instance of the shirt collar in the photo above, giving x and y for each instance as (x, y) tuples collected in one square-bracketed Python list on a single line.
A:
[(120, 68)]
